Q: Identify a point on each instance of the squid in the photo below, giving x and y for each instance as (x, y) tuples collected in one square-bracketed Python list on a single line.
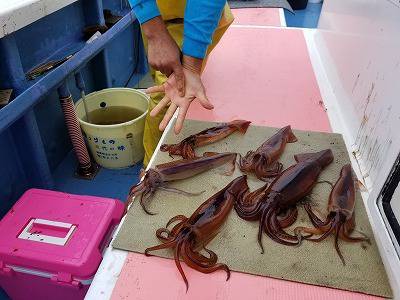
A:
[(190, 235), (159, 177), (263, 162), (341, 217), (208, 136), (274, 205)]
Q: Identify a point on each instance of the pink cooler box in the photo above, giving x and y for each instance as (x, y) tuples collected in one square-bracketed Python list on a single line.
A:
[(51, 243)]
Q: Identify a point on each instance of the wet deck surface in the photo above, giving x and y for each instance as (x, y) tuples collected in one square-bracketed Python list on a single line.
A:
[(107, 183)]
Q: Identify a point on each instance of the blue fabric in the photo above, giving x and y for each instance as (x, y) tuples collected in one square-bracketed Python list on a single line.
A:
[(145, 9), (201, 20)]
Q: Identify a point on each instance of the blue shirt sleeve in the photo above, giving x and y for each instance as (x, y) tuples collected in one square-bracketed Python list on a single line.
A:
[(145, 9), (201, 20)]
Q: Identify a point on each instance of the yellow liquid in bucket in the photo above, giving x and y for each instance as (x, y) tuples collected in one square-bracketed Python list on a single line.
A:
[(113, 115), (115, 132)]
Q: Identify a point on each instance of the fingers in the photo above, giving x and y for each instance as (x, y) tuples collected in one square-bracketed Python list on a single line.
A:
[(164, 102), (204, 101), (180, 80), (181, 117), (155, 89), (168, 115)]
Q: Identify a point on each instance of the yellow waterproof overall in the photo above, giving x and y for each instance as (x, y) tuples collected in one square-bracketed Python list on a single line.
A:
[(172, 12)]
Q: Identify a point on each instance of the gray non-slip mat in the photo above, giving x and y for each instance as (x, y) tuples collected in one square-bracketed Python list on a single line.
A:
[(236, 244), (260, 4)]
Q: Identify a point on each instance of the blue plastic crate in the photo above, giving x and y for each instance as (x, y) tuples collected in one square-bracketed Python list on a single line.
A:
[(33, 136)]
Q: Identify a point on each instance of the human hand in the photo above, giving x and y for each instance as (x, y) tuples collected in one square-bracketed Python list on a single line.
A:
[(163, 53), (194, 90)]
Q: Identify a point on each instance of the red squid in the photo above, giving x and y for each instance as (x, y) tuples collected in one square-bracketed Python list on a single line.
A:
[(192, 234), (278, 200), (341, 218), (208, 136), (159, 177), (264, 161)]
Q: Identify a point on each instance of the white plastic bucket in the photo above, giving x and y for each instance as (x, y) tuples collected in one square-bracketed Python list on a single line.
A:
[(119, 145)]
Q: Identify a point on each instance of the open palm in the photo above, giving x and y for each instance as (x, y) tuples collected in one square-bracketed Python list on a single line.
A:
[(194, 90)]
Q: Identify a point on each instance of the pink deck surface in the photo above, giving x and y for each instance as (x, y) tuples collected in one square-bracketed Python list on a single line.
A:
[(264, 75), (257, 16), (158, 278)]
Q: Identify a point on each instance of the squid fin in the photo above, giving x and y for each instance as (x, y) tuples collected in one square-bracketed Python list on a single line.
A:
[(227, 169), (359, 185), (303, 156), (291, 137), (241, 125), (323, 158)]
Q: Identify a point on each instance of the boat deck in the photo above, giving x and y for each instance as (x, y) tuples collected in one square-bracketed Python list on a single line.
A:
[(261, 71)]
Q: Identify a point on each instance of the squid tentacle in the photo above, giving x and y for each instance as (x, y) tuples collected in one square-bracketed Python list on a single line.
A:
[(138, 189), (264, 216), (310, 231), (248, 214), (246, 162), (180, 218), (279, 232), (178, 227), (178, 191), (166, 245), (344, 235), (259, 169), (264, 171), (315, 220), (333, 224), (321, 227), (272, 229), (337, 245), (177, 254), (213, 256), (362, 233), (245, 211), (325, 181), (144, 201), (208, 269), (289, 219), (188, 151), (160, 236), (199, 259)]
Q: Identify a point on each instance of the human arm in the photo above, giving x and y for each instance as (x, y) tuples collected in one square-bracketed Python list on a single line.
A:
[(201, 20), (163, 53)]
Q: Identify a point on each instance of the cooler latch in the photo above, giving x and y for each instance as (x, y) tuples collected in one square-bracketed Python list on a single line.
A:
[(66, 279), (46, 231)]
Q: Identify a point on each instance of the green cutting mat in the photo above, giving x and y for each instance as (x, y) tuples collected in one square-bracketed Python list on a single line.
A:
[(236, 245)]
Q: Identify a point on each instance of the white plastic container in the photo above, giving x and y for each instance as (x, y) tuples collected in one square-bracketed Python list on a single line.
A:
[(118, 145)]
